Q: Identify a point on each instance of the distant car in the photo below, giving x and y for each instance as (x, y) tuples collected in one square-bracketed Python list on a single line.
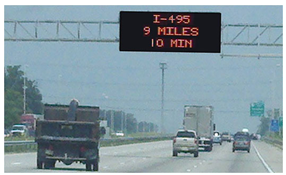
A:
[(254, 136), (258, 136), (231, 137), (225, 136), (241, 143), (19, 130), (119, 134), (240, 133), (7, 133), (186, 141), (217, 139)]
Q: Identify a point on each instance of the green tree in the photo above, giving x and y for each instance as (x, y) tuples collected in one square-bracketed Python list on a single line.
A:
[(13, 107), (14, 94), (264, 126), (33, 98), (14, 78)]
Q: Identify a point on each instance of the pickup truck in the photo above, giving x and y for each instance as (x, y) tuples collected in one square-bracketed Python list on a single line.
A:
[(186, 141), (19, 130)]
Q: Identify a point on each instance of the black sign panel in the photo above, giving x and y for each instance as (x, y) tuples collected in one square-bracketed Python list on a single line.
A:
[(170, 32)]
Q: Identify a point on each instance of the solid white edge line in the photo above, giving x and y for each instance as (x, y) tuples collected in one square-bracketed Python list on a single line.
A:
[(262, 160)]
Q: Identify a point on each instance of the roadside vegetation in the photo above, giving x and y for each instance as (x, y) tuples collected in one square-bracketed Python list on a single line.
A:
[(15, 79), (17, 82)]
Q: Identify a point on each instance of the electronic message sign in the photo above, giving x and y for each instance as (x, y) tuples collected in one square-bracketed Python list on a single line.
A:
[(170, 32)]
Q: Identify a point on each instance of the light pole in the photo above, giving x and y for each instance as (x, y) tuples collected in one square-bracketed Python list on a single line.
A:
[(111, 113), (104, 103), (122, 126), (163, 66), (273, 86), (273, 89), (59, 88), (112, 121), (24, 90)]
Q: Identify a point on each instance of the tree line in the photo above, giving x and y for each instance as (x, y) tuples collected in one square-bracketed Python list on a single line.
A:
[(119, 121), (14, 104)]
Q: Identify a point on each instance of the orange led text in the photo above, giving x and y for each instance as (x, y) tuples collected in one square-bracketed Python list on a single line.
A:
[(178, 31)]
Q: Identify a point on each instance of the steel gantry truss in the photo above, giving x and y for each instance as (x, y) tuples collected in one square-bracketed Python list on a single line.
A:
[(108, 31), (252, 34), (67, 31), (266, 35)]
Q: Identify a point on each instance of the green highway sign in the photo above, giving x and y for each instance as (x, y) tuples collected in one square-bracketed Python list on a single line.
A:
[(257, 109), (280, 122)]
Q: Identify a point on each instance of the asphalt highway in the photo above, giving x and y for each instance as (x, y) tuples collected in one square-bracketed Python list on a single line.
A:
[(156, 157)]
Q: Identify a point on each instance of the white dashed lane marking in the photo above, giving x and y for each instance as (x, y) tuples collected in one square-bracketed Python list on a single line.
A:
[(16, 163)]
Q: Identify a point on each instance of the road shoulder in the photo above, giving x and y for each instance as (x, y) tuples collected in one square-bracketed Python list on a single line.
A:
[(273, 156)]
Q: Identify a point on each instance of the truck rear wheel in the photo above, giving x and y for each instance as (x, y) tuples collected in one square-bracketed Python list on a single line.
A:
[(175, 153), (92, 165), (95, 166), (210, 148), (40, 164), (49, 164), (88, 166), (196, 154)]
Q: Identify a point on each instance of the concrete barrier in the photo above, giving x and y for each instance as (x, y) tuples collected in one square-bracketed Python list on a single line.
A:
[(31, 146)]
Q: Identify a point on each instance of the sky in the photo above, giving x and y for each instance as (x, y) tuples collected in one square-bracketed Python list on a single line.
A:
[(99, 74)]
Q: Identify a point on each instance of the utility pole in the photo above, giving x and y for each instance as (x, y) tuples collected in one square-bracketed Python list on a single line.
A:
[(163, 66), (122, 124), (24, 89), (125, 123)]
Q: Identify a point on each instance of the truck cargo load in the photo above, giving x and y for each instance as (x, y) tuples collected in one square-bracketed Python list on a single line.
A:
[(68, 136)]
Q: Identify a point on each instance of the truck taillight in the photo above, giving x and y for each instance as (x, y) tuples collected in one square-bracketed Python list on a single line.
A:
[(174, 140), (246, 143), (82, 149)]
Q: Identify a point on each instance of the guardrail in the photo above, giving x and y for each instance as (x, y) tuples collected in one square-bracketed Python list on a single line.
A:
[(275, 142), (10, 143), (31, 145), (20, 146)]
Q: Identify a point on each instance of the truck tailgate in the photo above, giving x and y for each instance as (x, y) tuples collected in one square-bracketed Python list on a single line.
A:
[(185, 141)]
